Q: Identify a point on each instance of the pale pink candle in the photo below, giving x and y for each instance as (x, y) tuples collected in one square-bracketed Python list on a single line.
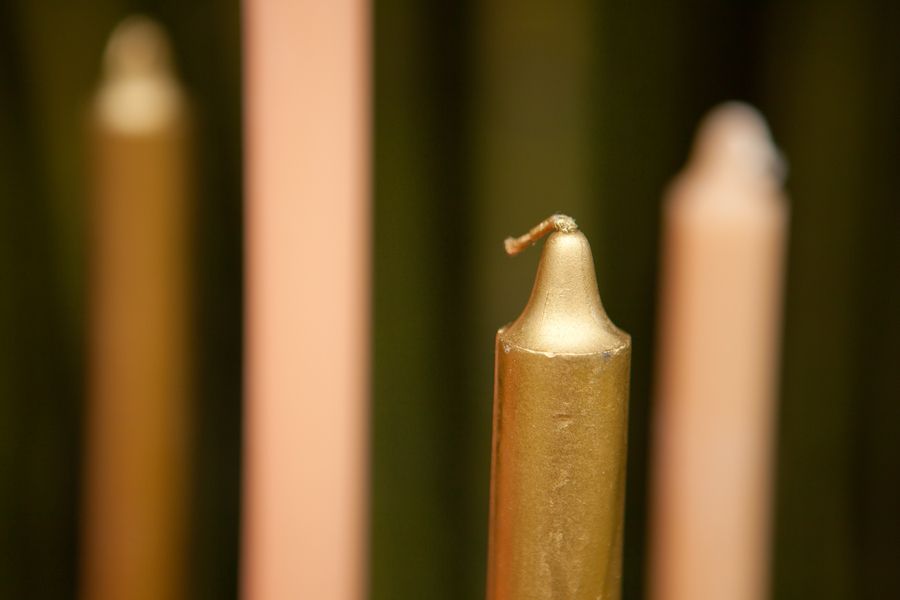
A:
[(307, 297), (723, 254)]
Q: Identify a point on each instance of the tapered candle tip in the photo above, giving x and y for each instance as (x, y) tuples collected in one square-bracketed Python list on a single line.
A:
[(557, 222), (139, 92), (735, 137), (564, 313), (138, 47)]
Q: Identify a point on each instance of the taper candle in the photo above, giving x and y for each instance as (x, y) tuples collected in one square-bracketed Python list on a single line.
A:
[(307, 296), (137, 411), (725, 222), (559, 434)]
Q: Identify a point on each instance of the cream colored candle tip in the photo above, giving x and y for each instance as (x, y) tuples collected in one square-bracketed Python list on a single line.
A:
[(138, 92), (735, 139)]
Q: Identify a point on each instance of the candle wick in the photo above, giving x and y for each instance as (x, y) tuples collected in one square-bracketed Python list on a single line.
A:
[(555, 222)]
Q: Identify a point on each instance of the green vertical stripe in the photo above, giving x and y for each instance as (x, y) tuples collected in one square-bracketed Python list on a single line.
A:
[(821, 74), (876, 456), (418, 408)]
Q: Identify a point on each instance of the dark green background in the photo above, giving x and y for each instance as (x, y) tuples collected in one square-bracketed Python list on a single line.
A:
[(488, 116)]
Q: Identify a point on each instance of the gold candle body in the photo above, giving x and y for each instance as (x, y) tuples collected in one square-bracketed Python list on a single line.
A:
[(137, 413), (559, 438)]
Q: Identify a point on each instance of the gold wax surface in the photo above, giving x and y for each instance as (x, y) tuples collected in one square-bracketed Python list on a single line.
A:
[(135, 537), (559, 438)]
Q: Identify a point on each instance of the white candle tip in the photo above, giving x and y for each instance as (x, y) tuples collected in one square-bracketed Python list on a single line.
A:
[(736, 137), (139, 92)]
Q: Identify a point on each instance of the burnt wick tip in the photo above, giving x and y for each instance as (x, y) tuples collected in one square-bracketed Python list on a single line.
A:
[(557, 222)]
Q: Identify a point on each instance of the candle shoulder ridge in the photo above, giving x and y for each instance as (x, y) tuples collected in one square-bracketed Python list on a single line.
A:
[(564, 314)]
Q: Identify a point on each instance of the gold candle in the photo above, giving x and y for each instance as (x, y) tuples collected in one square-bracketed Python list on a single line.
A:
[(137, 413), (559, 433)]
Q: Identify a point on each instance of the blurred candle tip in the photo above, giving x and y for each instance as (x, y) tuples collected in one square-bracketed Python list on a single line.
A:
[(734, 139), (139, 91)]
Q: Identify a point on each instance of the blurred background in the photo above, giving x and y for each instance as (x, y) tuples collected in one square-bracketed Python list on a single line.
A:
[(488, 116)]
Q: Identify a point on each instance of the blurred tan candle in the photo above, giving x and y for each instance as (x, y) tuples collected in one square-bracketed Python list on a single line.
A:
[(307, 296), (724, 225), (136, 471)]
